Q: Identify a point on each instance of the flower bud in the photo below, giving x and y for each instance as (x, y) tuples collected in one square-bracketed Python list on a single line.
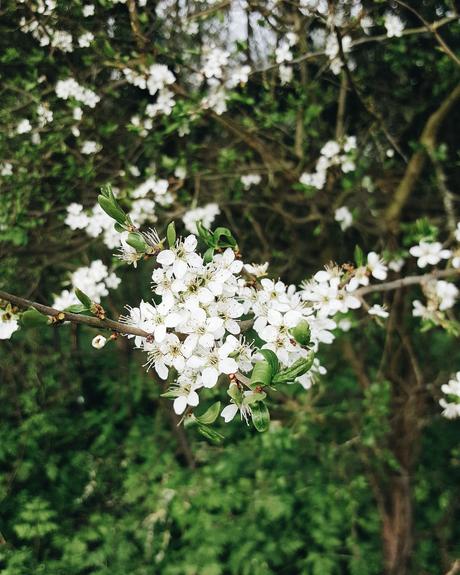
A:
[(99, 341)]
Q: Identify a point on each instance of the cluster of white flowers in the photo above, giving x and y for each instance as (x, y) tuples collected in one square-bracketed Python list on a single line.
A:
[(394, 25), (249, 180), (6, 169), (197, 327), (47, 36), (441, 295), (215, 100), (95, 222), (45, 115), (215, 59), (332, 154), (205, 214), (156, 80), (143, 200), (333, 52), (90, 147), (94, 280), (84, 41), (24, 126), (451, 403), (70, 88)]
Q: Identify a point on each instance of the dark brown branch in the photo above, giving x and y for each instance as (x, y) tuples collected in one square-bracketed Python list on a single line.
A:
[(417, 162), (110, 324)]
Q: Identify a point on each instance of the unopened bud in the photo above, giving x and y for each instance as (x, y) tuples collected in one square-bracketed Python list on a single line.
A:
[(99, 341)]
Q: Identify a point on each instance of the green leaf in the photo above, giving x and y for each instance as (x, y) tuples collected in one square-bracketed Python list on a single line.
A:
[(301, 333), (210, 434), (229, 240), (171, 394), (260, 416), (33, 318), (272, 359), (112, 209), (208, 255), (300, 367), (359, 256), (136, 241), (171, 234), (262, 373), (205, 235), (76, 308), (210, 415), (119, 228), (85, 300)]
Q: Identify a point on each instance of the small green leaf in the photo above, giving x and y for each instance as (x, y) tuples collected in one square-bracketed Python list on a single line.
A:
[(359, 256), (76, 308), (205, 235), (262, 373), (208, 255), (301, 333), (119, 228), (136, 241), (260, 416), (297, 369), (85, 300), (272, 359), (33, 318), (112, 209), (210, 415), (171, 234), (171, 393), (228, 241), (210, 433)]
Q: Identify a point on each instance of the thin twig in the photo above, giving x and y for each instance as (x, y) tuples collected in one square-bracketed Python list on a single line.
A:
[(405, 282)]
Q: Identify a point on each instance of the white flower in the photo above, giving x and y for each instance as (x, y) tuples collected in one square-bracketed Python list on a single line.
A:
[(6, 169), (344, 217), (447, 293), (429, 253), (84, 41), (76, 218), (286, 73), (24, 126), (215, 362), (181, 256), (394, 25), (457, 232), (452, 391), (70, 88), (214, 61), (187, 395), (250, 180), (99, 341), (206, 215), (229, 412), (257, 270), (396, 264), (88, 10), (283, 53), (8, 324), (90, 147), (376, 266), (243, 406), (379, 311), (330, 149)]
